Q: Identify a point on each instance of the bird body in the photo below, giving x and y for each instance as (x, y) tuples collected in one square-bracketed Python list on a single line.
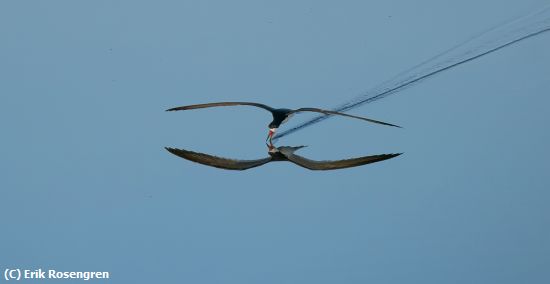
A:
[(280, 115)]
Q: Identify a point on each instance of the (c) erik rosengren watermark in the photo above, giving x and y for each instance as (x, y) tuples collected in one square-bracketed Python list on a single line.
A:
[(19, 274)]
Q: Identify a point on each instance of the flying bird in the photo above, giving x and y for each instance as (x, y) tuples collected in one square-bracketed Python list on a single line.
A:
[(283, 153), (280, 115)]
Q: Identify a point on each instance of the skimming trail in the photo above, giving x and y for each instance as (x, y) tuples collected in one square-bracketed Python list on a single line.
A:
[(482, 44)]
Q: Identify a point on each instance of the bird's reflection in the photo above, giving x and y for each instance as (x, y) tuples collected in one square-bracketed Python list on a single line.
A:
[(283, 153)]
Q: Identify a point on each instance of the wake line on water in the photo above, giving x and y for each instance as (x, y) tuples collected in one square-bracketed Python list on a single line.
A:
[(480, 45)]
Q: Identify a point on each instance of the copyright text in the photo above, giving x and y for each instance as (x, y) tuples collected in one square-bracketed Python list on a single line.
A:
[(18, 274)]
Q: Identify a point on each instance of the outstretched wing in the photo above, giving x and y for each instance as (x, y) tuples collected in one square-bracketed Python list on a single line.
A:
[(218, 162), (333, 165), (343, 114), (221, 104)]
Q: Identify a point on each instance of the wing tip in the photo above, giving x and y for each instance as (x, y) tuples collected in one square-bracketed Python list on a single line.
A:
[(392, 155), (390, 124), (175, 151)]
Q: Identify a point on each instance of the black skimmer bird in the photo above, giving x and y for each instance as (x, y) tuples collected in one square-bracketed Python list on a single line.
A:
[(283, 153), (280, 115)]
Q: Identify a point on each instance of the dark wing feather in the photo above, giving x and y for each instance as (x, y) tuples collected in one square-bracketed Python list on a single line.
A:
[(334, 165), (218, 162), (221, 104), (329, 112)]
